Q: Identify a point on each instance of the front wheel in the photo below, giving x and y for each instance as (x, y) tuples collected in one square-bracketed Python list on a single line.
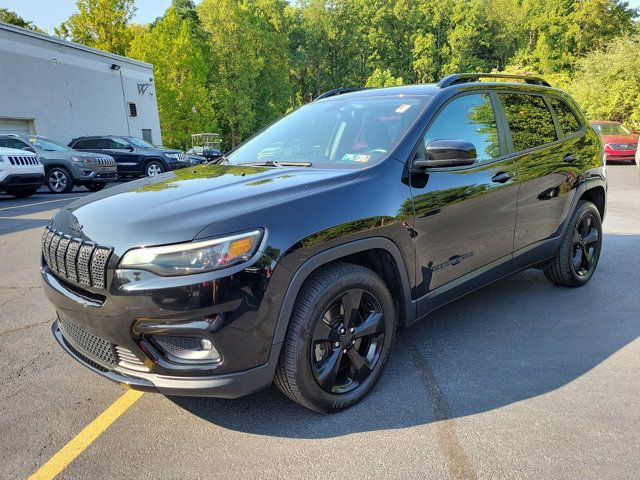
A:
[(95, 186), (577, 258), (153, 168), (339, 338), (22, 192), (59, 180)]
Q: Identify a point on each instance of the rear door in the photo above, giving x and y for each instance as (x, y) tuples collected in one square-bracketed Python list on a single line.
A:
[(464, 216), (548, 162)]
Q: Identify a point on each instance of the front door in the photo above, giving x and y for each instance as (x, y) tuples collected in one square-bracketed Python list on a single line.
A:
[(126, 158), (464, 216)]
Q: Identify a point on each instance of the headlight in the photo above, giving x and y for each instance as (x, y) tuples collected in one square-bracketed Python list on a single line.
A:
[(82, 159), (176, 156), (194, 257)]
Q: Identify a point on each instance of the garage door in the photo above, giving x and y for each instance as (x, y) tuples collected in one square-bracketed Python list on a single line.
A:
[(15, 125)]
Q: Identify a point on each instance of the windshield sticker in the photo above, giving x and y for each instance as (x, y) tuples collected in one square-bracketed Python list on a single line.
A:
[(354, 157), (403, 108)]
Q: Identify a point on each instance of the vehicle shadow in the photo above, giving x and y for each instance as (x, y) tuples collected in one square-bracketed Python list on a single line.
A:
[(516, 339)]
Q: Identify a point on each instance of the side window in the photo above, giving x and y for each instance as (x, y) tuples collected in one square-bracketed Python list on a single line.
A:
[(13, 143), (567, 119), (470, 118), (116, 144), (80, 144), (529, 119)]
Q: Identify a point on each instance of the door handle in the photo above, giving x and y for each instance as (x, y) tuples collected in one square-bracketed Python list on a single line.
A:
[(569, 158), (501, 177)]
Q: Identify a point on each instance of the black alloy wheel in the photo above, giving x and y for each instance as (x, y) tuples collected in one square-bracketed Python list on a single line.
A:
[(339, 338), (576, 260), (586, 239), (348, 341)]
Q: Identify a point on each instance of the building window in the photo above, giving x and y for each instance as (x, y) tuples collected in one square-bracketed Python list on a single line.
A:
[(133, 110), (146, 135)]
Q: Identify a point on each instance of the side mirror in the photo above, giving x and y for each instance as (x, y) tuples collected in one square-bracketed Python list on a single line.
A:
[(30, 149), (445, 153), (130, 148)]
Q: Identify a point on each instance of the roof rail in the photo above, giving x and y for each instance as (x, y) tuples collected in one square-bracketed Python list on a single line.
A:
[(338, 91), (458, 78)]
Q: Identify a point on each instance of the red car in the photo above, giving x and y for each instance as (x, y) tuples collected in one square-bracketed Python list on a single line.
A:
[(620, 143)]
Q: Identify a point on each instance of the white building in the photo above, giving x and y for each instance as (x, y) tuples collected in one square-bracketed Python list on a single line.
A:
[(63, 90)]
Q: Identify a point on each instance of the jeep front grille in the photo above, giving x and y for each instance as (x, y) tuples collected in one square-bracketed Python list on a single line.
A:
[(23, 160), (74, 259), (108, 162)]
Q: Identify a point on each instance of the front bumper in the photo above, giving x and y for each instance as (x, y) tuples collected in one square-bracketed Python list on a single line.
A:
[(620, 155), (22, 180), (229, 308), (233, 385)]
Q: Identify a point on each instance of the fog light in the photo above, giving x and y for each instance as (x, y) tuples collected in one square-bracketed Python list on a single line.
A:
[(180, 349)]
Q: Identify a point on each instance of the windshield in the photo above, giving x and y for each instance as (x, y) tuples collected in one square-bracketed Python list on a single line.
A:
[(354, 132), (138, 142), (611, 129), (48, 145)]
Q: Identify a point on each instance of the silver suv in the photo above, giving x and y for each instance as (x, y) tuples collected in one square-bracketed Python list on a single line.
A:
[(65, 167)]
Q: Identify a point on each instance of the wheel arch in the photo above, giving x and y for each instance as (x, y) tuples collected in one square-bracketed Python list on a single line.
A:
[(370, 253), (596, 195), (146, 161)]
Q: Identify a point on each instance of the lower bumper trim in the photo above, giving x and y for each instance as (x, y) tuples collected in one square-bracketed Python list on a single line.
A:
[(232, 385)]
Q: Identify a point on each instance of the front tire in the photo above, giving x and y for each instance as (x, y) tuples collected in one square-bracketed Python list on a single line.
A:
[(22, 192), (59, 180), (95, 186), (339, 338), (153, 168), (577, 258)]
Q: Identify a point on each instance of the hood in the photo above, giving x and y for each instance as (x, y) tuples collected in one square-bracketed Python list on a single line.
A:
[(620, 138), (157, 150), (175, 206), (66, 155)]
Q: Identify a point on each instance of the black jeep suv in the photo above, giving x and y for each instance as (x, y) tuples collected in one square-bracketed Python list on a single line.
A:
[(300, 255), (133, 155)]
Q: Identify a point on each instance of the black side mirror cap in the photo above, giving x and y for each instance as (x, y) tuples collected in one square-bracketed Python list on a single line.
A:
[(30, 149), (446, 153)]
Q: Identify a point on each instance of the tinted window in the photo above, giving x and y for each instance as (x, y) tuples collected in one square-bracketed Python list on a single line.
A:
[(116, 144), (529, 120), (568, 121), (14, 143), (470, 118), (80, 144)]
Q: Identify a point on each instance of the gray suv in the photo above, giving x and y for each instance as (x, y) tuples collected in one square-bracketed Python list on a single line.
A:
[(64, 167)]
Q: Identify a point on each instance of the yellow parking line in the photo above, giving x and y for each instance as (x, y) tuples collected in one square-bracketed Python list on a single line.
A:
[(86, 437)]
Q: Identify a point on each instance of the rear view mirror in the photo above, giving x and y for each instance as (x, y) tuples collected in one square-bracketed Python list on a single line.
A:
[(445, 153)]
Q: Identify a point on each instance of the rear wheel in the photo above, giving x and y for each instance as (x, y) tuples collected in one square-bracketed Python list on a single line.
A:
[(22, 192), (59, 180), (339, 338), (153, 168), (577, 258)]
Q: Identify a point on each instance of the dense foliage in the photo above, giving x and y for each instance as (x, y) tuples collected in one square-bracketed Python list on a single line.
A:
[(234, 65)]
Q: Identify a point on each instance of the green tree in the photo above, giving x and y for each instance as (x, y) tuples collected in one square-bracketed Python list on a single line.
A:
[(100, 24), (383, 78), (7, 16), (607, 82), (180, 59)]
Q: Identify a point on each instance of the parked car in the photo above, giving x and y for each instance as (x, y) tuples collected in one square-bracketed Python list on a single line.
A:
[(620, 143), (379, 206), (21, 173), (64, 167), (133, 155)]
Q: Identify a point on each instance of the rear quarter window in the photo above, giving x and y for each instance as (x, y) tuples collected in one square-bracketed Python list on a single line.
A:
[(566, 118), (530, 121)]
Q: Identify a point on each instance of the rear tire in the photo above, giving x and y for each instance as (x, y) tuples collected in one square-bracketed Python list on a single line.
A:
[(22, 192), (59, 180), (331, 360), (577, 258)]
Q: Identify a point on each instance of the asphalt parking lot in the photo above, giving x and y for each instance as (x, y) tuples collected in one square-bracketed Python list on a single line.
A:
[(519, 380)]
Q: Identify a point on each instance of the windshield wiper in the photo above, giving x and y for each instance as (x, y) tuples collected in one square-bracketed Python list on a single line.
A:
[(273, 163)]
